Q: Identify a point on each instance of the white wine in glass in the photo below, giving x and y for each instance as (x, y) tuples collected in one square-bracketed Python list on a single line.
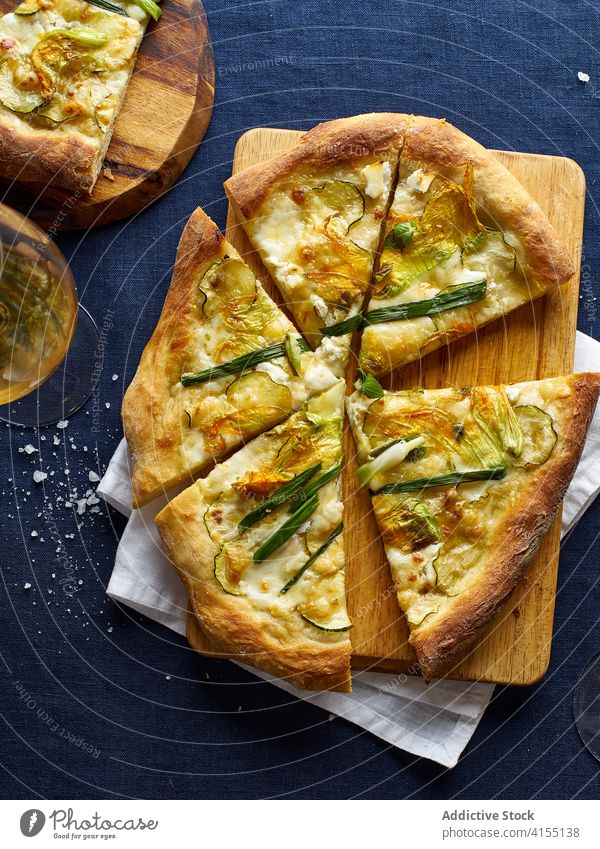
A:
[(39, 323)]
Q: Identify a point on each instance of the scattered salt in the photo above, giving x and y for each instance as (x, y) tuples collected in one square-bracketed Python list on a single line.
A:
[(34, 533), (29, 449), (27, 586), (583, 77), (93, 477), (39, 476), (115, 377), (62, 424)]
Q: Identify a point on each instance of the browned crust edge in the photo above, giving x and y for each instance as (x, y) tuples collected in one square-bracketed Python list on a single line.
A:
[(442, 646), (232, 625), (332, 143), (442, 147), (71, 162), (160, 366)]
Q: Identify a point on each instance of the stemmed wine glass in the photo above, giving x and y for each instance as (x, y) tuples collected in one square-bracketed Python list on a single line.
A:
[(47, 341)]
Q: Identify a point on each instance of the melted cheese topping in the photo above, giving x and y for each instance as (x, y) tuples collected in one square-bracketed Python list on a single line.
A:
[(212, 417), (436, 539), (312, 274), (385, 347), (320, 591), (78, 96)]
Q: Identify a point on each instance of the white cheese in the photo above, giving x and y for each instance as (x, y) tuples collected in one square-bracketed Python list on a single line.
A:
[(419, 180), (377, 178)]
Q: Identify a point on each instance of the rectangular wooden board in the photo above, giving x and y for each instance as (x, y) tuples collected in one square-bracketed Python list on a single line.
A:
[(533, 342)]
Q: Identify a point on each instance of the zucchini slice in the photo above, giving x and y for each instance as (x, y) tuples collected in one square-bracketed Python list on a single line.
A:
[(227, 287), (326, 607), (28, 7), (336, 623), (336, 197), (422, 609), (539, 436), (14, 98), (105, 110), (230, 563), (222, 516), (256, 388)]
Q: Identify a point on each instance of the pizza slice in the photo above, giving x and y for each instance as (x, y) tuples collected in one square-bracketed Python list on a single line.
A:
[(258, 544), (315, 213), (464, 245), (223, 364), (64, 70), (464, 484)]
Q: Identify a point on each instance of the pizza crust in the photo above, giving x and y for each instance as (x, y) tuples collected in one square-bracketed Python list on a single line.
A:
[(153, 446), (64, 155), (437, 145), (345, 141), (38, 156), (232, 624), (442, 645)]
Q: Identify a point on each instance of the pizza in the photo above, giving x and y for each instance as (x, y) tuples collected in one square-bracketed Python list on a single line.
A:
[(259, 546), (223, 364), (464, 244), (464, 485), (315, 214), (404, 229), (64, 69)]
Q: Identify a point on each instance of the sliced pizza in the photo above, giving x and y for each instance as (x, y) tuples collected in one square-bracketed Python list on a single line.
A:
[(258, 544), (64, 69), (465, 483), (464, 245), (223, 365), (315, 214)]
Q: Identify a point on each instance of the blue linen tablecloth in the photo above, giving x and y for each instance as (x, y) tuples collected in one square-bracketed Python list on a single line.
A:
[(97, 701)]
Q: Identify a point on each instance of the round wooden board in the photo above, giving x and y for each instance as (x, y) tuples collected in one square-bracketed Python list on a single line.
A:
[(165, 114)]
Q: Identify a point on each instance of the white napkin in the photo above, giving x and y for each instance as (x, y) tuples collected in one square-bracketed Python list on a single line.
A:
[(435, 721)]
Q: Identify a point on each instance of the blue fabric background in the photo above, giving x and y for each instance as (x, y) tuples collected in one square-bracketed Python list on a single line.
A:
[(164, 722)]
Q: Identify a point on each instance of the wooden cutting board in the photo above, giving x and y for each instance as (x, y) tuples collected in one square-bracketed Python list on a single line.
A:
[(536, 341), (165, 114)]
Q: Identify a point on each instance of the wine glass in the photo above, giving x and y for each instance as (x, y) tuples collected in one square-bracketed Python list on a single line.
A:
[(586, 706), (47, 342)]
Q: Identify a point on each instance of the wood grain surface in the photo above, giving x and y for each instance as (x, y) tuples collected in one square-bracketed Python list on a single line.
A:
[(165, 114), (534, 342)]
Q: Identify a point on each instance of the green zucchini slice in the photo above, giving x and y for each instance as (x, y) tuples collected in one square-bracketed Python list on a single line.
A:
[(256, 388), (28, 7), (327, 608), (14, 98), (230, 563), (539, 436), (105, 110), (422, 609), (336, 197), (227, 287)]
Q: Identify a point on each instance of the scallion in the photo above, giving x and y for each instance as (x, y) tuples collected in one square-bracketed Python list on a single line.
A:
[(287, 530), (452, 478), (449, 299), (283, 494), (295, 578), (246, 361)]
